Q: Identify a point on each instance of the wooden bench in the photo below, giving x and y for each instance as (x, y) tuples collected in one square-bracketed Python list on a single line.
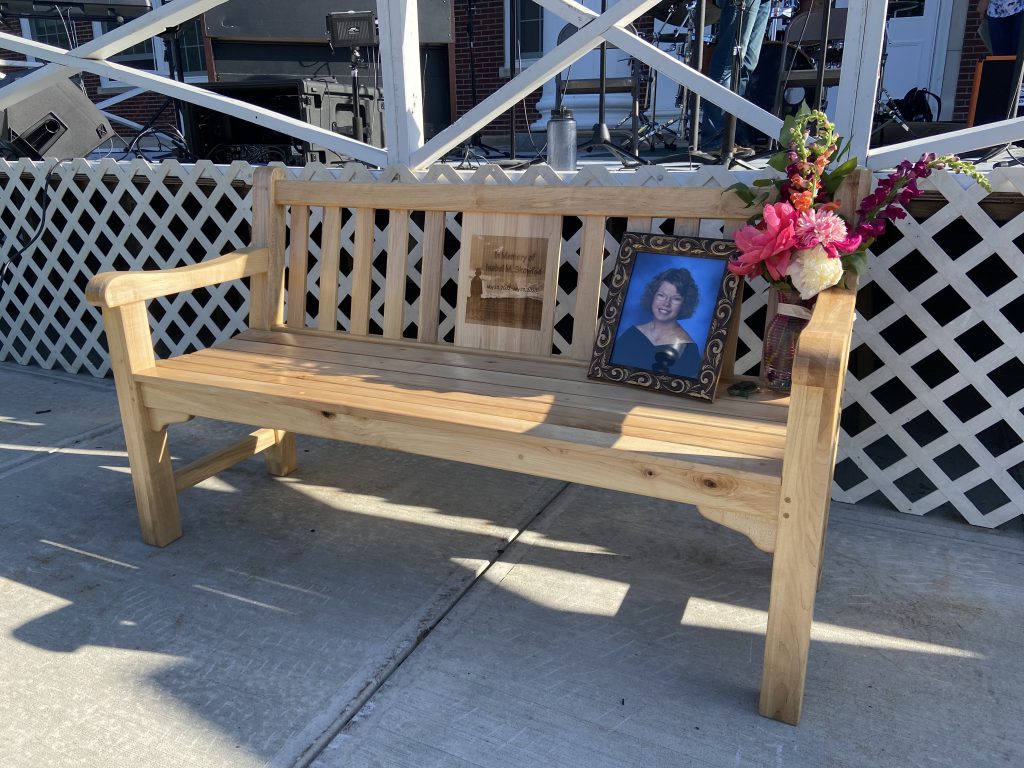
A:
[(761, 466)]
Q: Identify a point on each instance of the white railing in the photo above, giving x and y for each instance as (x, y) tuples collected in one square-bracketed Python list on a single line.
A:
[(401, 79), (934, 413)]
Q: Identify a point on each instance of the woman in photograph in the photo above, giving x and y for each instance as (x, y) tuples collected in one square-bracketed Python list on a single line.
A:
[(661, 344)]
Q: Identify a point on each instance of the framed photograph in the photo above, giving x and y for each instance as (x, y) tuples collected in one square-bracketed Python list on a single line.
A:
[(668, 315), (508, 272)]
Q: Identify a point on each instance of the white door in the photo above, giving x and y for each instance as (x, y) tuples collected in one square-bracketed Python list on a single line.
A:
[(914, 58)]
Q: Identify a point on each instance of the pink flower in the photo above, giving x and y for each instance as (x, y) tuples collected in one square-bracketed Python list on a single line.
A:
[(825, 228), (771, 243), (819, 227)]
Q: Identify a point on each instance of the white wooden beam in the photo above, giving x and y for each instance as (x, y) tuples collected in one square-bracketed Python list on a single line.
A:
[(190, 93), (707, 88), (131, 33), (545, 68), (954, 142), (671, 67), (403, 91), (858, 83)]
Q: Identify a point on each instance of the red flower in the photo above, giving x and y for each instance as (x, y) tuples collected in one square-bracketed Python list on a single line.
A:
[(771, 243)]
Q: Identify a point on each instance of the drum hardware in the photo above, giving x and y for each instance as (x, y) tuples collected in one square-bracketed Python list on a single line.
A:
[(675, 13), (602, 138), (691, 17)]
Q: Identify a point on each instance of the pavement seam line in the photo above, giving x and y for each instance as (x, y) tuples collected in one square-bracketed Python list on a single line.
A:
[(349, 713), (18, 465)]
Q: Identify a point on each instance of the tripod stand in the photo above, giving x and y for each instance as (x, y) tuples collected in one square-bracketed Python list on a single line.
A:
[(602, 138)]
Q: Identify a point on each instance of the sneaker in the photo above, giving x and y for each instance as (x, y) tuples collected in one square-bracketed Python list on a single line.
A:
[(738, 150)]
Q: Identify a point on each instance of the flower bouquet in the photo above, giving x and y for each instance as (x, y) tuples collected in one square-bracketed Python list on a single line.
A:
[(800, 243)]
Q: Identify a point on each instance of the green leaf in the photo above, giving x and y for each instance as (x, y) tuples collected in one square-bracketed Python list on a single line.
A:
[(743, 192), (789, 133), (835, 177), (764, 182), (779, 161), (856, 262)]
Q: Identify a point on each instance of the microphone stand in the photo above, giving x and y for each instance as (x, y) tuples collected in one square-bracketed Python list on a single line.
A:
[(469, 148), (826, 18), (698, 65), (602, 138)]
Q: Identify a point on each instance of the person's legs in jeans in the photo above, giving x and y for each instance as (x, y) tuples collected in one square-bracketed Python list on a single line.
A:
[(752, 37), (712, 117), (1005, 34), (755, 21)]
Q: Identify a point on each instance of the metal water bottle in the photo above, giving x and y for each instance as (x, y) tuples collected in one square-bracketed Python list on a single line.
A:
[(562, 140)]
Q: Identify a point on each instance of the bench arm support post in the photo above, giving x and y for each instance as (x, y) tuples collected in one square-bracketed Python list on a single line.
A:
[(131, 349), (812, 440)]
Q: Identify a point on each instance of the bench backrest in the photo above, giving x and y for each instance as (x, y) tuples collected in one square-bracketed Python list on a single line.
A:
[(363, 229)]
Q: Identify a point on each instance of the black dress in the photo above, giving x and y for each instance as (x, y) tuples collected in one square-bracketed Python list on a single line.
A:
[(635, 350)]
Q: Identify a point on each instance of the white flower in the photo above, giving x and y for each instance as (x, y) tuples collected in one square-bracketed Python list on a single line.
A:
[(812, 270)]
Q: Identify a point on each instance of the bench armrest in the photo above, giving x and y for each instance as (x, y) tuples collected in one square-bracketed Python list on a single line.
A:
[(115, 289), (825, 342)]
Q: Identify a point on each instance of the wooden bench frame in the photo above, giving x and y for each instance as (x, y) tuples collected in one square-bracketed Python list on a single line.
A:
[(774, 488)]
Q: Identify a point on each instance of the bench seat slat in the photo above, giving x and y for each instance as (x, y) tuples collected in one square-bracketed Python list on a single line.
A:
[(490, 383), (565, 375), (433, 391), (662, 470)]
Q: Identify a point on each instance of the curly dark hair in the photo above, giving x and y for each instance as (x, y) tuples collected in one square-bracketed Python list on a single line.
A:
[(683, 282)]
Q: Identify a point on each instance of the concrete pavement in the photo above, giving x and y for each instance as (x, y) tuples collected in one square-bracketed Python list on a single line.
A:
[(370, 610)]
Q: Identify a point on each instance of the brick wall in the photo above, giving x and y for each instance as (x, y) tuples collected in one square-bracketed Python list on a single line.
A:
[(489, 58), (973, 52)]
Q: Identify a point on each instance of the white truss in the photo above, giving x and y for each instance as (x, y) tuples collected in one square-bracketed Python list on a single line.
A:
[(402, 77)]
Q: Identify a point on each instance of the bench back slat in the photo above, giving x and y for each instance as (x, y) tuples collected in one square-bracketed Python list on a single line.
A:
[(394, 284), (431, 268), (298, 266), (330, 263), (362, 272), (588, 287), (657, 202)]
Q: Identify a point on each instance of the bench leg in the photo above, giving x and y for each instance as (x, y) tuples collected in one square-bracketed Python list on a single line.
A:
[(799, 551), (153, 478), (281, 458), (795, 574)]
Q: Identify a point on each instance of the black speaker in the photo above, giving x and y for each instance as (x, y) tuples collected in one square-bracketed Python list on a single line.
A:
[(240, 62), (990, 95), (306, 21), (61, 122), (325, 103), (78, 9)]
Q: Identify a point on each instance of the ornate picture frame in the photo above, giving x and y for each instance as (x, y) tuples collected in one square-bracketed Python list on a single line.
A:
[(669, 314)]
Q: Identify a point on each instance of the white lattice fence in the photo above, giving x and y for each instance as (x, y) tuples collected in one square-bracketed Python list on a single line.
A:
[(933, 405)]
